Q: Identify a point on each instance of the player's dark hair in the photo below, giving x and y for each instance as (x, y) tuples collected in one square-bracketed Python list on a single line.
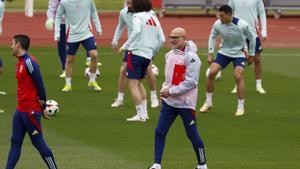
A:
[(226, 9), (24, 40), (142, 5)]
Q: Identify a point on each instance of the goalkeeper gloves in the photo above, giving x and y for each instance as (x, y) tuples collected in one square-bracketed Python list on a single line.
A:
[(49, 24)]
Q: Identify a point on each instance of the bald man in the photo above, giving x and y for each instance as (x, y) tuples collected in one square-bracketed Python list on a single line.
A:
[(179, 96)]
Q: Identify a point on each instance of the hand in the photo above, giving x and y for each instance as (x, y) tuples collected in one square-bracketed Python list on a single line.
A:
[(42, 102), (250, 60), (57, 38), (2, 5), (210, 58), (99, 33), (45, 115), (49, 24), (114, 47), (264, 38), (0, 28), (165, 93), (122, 49)]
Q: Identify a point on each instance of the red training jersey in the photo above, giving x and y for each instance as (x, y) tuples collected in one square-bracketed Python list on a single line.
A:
[(30, 87)]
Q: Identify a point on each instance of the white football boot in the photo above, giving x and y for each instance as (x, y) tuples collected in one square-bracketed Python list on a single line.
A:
[(155, 166), (2, 93), (62, 75), (206, 106), (117, 103), (201, 167), (234, 90), (260, 90), (154, 102), (137, 118), (240, 112)]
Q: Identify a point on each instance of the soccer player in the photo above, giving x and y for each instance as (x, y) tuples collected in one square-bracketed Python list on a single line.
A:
[(249, 10), (179, 96), (79, 32), (142, 45), (125, 19), (2, 9), (31, 97), (61, 45), (2, 93), (233, 32), (29, 8)]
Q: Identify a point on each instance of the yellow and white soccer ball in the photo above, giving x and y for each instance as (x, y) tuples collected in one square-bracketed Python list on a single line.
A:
[(218, 76)]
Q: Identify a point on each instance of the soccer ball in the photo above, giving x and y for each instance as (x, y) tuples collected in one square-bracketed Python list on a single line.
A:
[(155, 70), (87, 72), (218, 76), (51, 107)]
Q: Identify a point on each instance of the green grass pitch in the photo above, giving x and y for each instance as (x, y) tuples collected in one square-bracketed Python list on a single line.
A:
[(88, 134)]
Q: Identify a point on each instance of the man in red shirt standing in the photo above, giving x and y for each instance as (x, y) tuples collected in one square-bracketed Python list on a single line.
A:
[(31, 97)]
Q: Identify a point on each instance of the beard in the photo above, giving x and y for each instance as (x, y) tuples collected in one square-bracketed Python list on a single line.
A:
[(130, 10)]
